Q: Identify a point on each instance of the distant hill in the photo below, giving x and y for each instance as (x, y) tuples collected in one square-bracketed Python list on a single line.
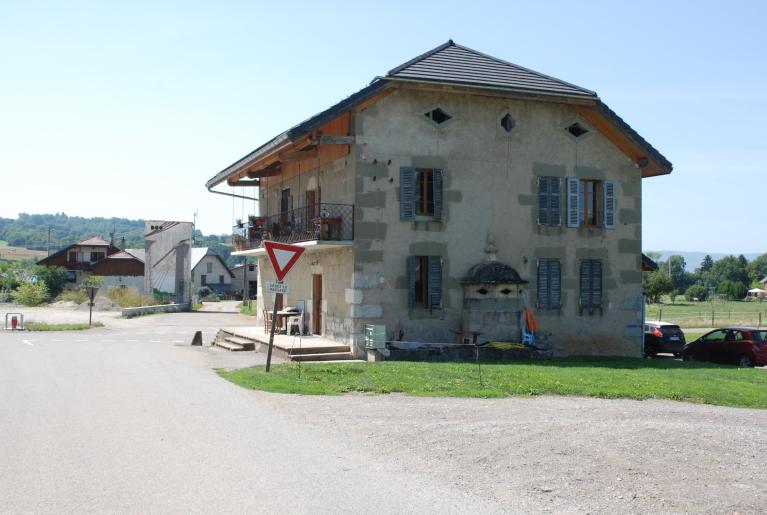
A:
[(693, 259)]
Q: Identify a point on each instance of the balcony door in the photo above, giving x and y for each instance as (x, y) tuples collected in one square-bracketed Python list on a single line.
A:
[(284, 205), (311, 204), (317, 304)]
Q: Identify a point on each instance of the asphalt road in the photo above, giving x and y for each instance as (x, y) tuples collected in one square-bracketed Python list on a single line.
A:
[(133, 420), (129, 418)]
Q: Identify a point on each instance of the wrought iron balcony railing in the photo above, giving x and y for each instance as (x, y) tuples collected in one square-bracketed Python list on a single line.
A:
[(321, 222)]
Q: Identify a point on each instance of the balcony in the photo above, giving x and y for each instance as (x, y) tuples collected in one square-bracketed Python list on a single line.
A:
[(321, 222)]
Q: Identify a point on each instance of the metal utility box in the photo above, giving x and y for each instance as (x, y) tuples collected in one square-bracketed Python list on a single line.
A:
[(375, 336)]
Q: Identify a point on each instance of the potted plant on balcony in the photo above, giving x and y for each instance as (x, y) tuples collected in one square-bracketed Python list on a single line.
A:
[(238, 242)]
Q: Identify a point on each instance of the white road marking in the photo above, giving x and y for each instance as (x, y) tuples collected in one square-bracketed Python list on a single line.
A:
[(81, 341), (28, 343), (107, 340), (131, 340), (57, 340), (177, 341), (155, 341)]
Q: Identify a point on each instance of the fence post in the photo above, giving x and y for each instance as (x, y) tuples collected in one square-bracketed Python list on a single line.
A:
[(660, 314), (760, 320), (712, 319)]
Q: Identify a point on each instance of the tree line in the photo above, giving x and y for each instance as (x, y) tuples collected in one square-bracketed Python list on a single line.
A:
[(730, 278)]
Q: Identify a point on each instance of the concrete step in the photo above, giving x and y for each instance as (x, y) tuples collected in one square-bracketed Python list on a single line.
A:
[(323, 356), (318, 350), (245, 342), (229, 345), (231, 342)]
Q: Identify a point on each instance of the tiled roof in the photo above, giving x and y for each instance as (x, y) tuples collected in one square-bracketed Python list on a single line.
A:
[(123, 255), (94, 241), (457, 64)]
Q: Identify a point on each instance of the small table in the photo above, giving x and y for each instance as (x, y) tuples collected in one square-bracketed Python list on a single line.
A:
[(328, 227), (282, 317), (462, 336)]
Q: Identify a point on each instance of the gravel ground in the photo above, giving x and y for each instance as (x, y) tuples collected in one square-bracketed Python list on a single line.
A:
[(561, 454)]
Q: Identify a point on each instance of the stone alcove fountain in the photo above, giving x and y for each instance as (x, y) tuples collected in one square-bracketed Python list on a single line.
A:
[(492, 299)]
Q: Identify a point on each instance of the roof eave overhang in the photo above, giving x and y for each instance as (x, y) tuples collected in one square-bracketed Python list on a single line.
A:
[(296, 135)]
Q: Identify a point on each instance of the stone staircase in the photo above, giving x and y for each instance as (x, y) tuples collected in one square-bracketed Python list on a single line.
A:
[(286, 347)]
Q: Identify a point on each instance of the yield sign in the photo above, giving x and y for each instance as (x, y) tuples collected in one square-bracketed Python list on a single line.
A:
[(282, 256)]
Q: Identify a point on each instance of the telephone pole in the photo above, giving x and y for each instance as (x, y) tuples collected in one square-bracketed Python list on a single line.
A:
[(49, 240)]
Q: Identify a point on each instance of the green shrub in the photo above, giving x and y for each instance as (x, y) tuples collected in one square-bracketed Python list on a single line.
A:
[(696, 291), (30, 294), (54, 277)]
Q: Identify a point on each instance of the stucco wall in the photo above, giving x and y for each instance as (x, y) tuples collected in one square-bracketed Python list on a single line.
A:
[(335, 266), (490, 187), (201, 269)]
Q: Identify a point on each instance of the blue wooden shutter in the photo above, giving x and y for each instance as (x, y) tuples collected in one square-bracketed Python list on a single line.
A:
[(544, 300), (411, 278), (608, 201), (555, 213), (549, 284), (555, 284), (543, 201), (435, 281), (596, 283), (407, 193), (437, 180), (573, 202), (585, 283)]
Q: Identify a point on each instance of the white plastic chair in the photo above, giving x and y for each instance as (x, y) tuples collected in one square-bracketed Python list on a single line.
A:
[(298, 320)]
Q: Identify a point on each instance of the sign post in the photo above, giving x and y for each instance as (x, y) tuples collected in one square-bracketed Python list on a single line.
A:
[(282, 257), (91, 295)]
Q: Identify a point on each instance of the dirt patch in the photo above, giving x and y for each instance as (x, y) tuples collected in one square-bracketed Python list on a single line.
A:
[(101, 304)]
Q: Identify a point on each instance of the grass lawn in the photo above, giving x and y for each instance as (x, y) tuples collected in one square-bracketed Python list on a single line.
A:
[(699, 314), (249, 308), (42, 326), (628, 378), (3, 243)]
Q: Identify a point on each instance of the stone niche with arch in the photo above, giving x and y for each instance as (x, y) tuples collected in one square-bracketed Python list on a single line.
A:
[(493, 301)]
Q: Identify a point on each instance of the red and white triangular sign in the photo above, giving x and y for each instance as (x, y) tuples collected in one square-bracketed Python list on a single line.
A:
[(282, 256)]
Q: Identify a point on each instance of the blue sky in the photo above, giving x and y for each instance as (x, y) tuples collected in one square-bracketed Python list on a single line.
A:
[(127, 108)]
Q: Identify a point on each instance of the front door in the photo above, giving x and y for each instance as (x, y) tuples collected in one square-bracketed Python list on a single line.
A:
[(317, 304)]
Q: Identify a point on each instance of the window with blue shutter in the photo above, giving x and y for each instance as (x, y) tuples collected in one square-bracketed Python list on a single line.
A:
[(437, 193), (573, 202), (407, 193), (608, 203), (549, 284), (548, 201), (424, 282), (591, 284), (421, 195), (435, 282)]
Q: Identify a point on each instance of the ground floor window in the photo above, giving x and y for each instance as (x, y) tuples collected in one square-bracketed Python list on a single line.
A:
[(591, 284), (425, 279), (549, 284)]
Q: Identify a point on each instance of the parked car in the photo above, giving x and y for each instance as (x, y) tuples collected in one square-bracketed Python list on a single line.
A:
[(662, 337), (742, 346)]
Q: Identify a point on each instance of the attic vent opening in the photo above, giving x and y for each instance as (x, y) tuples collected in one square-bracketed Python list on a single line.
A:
[(437, 115), (507, 122), (576, 129)]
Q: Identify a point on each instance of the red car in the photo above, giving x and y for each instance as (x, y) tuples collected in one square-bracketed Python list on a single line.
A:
[(742, 346)]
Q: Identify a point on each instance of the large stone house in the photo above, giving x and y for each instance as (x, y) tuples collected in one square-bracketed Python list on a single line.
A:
[(459, 182)]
